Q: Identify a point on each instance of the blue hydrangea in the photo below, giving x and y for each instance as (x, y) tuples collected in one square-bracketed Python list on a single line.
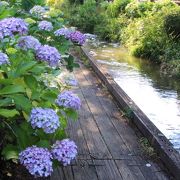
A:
[(48, 54), (63, 32), (46, 118), (28, 42), (64, 151), (45, 25), (12, 26), (68, 100), (37, 160), (3, 59), (38, 11), (71, 82), (77, 37)]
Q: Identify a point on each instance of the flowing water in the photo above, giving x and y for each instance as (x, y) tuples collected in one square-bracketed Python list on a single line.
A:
[(157, 95)]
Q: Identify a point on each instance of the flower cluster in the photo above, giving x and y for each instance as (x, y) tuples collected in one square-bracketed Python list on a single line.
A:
[(48, 54), (64, 151), (71, 82), (68, 100), (38, 11), (3, 59), (47, 119), (28, 42), (77, 37), (63, 32), (11, 26), (45, 25), (38, 161)]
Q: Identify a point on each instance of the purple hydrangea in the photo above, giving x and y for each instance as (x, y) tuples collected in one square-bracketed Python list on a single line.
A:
[(48, 54), (28, 42), (71, 82), (3, 59), (37, 160), (46, 118), (64, 151), (11, 26), (68, 100), (38, 11), (45, 25), (77, 37), (63, 32)]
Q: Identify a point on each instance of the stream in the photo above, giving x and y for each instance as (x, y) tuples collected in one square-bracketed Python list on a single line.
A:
[(157, 95)]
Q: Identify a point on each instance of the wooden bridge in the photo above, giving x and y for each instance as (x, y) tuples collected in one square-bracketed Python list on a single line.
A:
[(108, 144)]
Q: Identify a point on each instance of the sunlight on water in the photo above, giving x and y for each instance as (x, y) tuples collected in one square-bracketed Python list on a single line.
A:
[(155, 94)]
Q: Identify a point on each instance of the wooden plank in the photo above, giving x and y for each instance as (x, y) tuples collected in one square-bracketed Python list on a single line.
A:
[(68, 173), (129, 170), (75, 132), (107, 170), (95, 142), (168, 154), (58, 174), (85, 171)]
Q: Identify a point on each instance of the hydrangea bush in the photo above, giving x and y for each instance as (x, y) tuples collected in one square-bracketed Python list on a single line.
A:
[(28, 42), (68, 100), (33, 114), (48, 54), (45, 25)]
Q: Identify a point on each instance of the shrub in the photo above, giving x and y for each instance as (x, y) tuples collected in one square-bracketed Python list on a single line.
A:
[(117, 7), (85, 16), (172, 25)]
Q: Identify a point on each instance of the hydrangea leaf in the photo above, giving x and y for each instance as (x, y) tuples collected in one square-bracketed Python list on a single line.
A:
[(10, 152), (8, 113)]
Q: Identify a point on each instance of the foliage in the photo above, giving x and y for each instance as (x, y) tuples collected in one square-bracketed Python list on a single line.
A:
[(172, 25), (117, 7), (85, 16), (25, 83)]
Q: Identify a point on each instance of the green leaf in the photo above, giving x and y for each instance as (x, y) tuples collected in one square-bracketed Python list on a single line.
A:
[(10, 152), (59, 134), (72, 114), (23, 102), (43, 143), (22, 68), (31, 81), (5, 102), (11, 89), (49, 95), (8, 113)]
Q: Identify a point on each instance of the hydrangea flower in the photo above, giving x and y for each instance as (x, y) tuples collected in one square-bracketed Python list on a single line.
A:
[(3, 59), (45, 25), (77, 37), (11, 26), (63, 32), (38, 11), (37, 160), (28, 42), (48, 54), (46, 118), (71, 82), (64, 151), (68, 100)]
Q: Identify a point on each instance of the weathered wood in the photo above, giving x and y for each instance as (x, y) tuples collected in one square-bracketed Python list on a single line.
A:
[(162, 145), (95, 142), (58, 174), (85, 172), (107, 170), (68, 173)]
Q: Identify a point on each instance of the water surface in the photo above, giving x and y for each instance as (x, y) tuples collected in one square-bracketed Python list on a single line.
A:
[(157, 95)]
